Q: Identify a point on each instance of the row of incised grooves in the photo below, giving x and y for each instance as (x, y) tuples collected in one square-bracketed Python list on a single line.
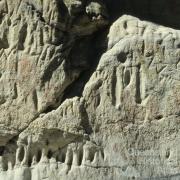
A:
[(128, 73), (121, 78), (75, 154)]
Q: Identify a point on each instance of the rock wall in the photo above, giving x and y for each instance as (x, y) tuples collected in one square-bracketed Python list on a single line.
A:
[(88, 92)]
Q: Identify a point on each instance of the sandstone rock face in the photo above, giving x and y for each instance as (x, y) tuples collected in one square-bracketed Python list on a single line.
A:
[(82, 97)]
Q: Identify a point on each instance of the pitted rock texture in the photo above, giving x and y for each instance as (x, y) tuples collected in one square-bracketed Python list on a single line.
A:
[(82, 97)]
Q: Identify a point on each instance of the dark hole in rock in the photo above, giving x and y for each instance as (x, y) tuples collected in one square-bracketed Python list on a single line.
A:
[(178, 45), (102, 153), (91, 156), (57, 158), (158, 117), (21, 154), (71, 159), (167, 153), (125, 25), (1, 150), (80, 157), (127, 77), (97, 100), (39, 154), (5, 165), (122, 57), (138, 86), (63, 157), (29, 160), (49, 155)]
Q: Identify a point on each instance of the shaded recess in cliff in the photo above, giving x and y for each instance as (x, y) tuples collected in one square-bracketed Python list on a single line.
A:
[(92, 47), (164, 12)]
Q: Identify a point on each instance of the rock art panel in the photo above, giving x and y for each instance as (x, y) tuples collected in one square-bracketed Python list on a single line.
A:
[(87, 96)]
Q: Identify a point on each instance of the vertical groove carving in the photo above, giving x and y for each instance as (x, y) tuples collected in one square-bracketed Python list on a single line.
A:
[(138, 86)]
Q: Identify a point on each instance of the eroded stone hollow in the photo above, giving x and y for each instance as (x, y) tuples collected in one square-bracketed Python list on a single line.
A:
[(89, 89)]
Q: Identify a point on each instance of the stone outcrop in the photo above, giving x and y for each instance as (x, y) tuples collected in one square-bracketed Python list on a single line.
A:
[(86, 96)]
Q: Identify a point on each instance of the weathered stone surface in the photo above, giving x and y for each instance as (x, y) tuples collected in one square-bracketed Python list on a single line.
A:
[(38, 44), (82, 97)]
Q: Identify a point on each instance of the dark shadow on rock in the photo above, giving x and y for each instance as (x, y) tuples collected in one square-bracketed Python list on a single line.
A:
[(86, 58)]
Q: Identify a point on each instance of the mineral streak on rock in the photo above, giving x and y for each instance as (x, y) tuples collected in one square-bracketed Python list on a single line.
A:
[(89, 89)]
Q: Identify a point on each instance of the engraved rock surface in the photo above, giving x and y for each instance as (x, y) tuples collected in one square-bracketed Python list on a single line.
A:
[(86, 96)]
